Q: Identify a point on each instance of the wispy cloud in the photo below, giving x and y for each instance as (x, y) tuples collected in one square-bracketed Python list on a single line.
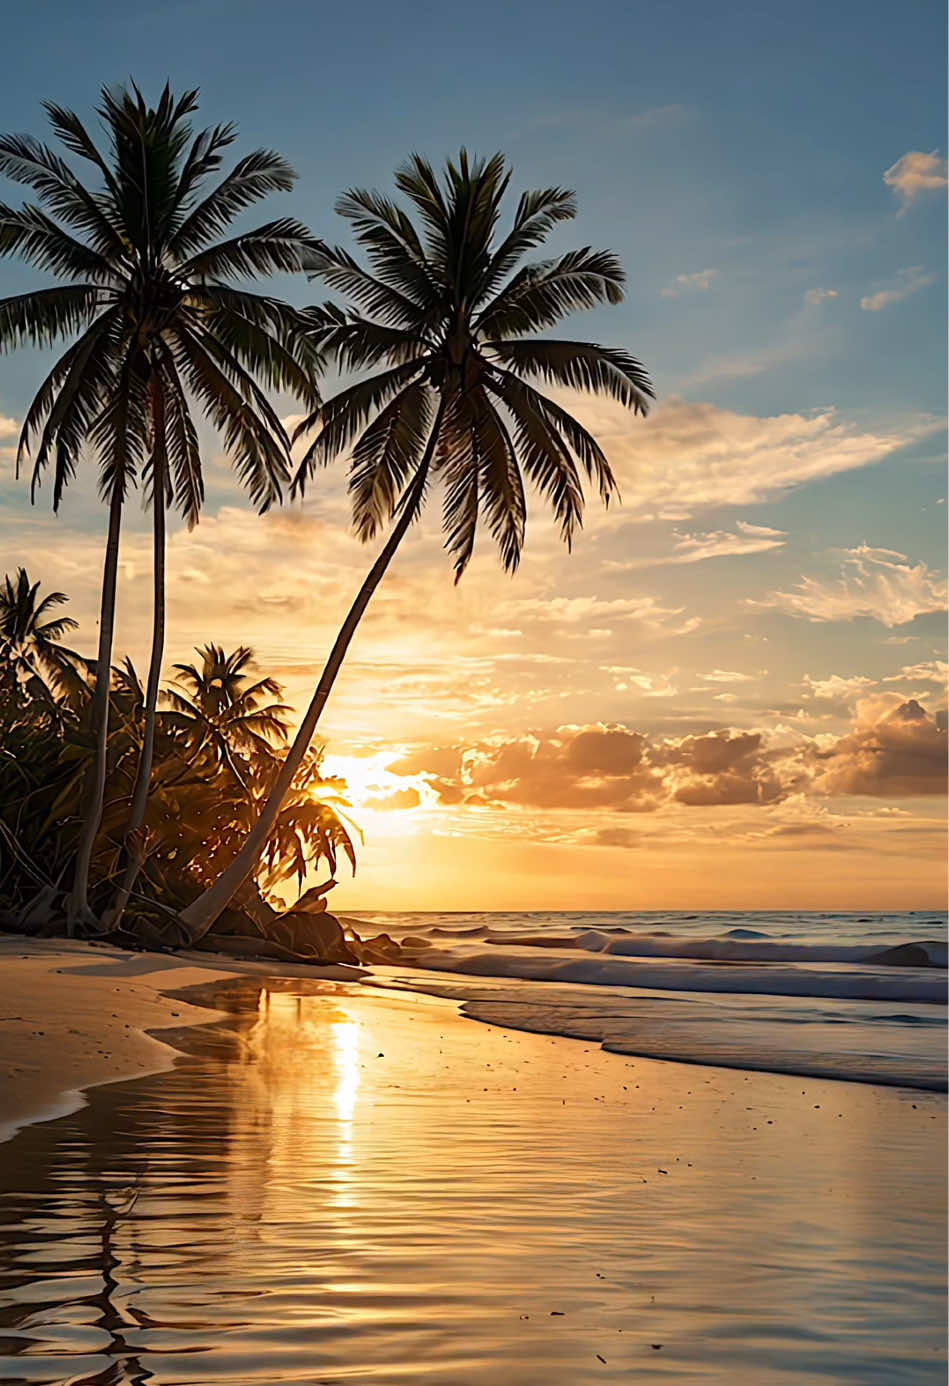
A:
[(731, 676), (877, 583), (571, 611), (909, 281), (745, 365), (916, 173), (930, 671), (820, 295), (699, 282), (689, 456), (698, 547), (836, 687)]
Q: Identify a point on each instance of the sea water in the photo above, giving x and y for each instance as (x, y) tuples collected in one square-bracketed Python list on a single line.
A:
[(852, 996)]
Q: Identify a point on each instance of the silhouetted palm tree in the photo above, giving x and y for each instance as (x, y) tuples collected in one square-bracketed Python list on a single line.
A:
[(219, 709), (31, 648), (156, 327), (444, 318)]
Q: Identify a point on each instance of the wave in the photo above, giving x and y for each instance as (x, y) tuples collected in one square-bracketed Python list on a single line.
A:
[(718, 1051), (739, 945), (679, 972)]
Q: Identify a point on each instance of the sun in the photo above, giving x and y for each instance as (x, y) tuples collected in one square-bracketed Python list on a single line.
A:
[(383, 803)]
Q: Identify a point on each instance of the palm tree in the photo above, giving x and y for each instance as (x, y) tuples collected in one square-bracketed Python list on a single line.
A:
[(218, 709), (31, 648), (444, 319), (155, 326)]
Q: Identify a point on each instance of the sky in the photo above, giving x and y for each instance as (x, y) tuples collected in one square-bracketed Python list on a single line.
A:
[(732, 693)]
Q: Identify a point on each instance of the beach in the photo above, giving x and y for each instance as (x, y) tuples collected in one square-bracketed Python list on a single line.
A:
[(313, 1180)]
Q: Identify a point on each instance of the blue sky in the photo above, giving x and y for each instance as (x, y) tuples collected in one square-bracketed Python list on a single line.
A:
[(785, 507)]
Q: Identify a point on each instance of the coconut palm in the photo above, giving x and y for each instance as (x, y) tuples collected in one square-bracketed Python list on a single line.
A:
[(156, 328), (31, 648), (444, 319), (218, 708)]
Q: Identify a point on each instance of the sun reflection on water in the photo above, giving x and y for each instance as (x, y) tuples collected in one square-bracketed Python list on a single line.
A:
[(294, 1044), (345, 1038)]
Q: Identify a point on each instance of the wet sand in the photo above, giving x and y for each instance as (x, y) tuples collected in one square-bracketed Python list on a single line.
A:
[(73, 1015), (334, 1185)]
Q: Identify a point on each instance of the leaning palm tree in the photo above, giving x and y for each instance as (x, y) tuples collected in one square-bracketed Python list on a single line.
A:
[(156, 326), (31, 648), (444, 321)]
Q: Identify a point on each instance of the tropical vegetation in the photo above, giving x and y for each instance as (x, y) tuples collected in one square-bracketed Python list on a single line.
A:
[(177, 803), (220, 739), (444, 320), (157, 331)]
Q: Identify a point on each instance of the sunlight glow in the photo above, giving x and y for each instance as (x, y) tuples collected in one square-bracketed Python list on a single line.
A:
[(383, 803)]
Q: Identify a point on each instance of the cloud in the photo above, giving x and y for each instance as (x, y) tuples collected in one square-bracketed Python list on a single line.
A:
[(649, 685), (731, 676), (571, 611), (761, 531), (820, 295), (700, 282), (914, 174), (876, 583), (896, 750), (931, 671), (688, 456), (720, 543), (612, 766), (910, 281), (573, 767), (836, 687)]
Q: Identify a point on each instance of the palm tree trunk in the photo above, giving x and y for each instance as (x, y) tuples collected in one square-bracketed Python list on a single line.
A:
[(134, 835), (77, 908), (199, 916)]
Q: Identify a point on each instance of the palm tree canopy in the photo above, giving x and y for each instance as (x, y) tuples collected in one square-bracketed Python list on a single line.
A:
[(148, 299), (224, 708), (443, 318), (31, 635)]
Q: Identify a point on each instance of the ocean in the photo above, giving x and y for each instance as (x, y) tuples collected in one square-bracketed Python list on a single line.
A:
[(858, 997)]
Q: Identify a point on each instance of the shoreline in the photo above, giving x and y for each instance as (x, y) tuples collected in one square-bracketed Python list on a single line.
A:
[(76, 1015), (318, 1179)]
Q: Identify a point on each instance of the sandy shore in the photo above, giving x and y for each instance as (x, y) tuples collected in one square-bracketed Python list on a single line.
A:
[(431, 1199), (73, 1015)]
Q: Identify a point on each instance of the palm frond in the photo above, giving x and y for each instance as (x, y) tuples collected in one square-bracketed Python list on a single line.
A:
[(183, 448), (252, 178), (258, 446), (32, 235), (419, 182), (385, 456), (540, 295), (501, 488), (285, 359), (24, 159), (537, 214), (45, 315), (392, 244), (119, 432), (337, 268), (583, 366), (343, 417), (276, 247), (543, 452)]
